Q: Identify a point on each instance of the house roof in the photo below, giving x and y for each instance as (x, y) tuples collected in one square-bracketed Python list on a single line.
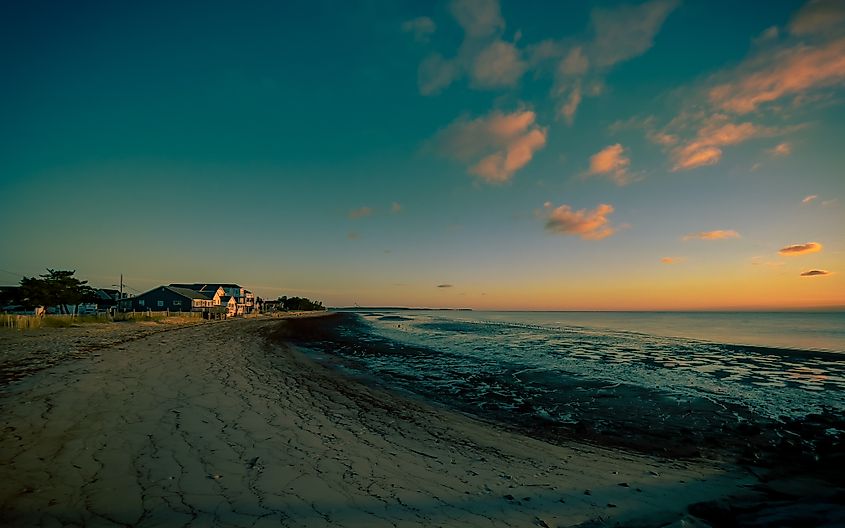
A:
[(195, 286), (107, 293), (185, 292), (205, 286), (224, 299)]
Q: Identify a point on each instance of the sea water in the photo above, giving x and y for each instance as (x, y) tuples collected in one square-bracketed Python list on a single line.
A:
[(770, 364)]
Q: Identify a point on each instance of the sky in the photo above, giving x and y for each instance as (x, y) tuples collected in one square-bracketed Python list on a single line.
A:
[(659, 155)]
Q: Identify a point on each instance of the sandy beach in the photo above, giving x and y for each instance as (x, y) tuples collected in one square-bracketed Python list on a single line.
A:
[(215, 424)]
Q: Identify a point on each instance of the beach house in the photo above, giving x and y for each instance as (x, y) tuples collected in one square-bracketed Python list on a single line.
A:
[(244, 299), (170, 298)]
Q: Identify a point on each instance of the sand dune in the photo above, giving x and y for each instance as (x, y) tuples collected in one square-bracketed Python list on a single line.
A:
[(214, 425)]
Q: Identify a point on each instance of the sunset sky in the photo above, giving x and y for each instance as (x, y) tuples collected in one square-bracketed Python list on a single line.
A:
[(468, 153)]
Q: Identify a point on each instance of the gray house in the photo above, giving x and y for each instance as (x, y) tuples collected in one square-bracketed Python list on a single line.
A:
[(167, 298)]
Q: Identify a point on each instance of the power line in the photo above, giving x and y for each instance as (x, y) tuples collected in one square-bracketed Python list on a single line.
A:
[(131, 288), (12, 273)]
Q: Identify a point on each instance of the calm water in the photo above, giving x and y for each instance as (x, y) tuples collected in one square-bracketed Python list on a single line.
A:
[(771, 364)]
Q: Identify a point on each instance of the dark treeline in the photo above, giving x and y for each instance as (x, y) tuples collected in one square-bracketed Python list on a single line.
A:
[(54, 288), (299, 304)]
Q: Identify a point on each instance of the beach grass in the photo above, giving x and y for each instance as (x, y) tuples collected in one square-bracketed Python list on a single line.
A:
[(31, 322)]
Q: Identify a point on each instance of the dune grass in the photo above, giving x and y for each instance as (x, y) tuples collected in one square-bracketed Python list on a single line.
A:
[(29, 322)]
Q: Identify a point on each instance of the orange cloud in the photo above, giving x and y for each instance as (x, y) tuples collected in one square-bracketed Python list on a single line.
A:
[(613, 162), (589, 225), (567, 110), (715, 133), (782, 149), (800, 249), (361, 212), (691, 158), (810, 198), (500, 166), (787, 72), (672, 260), (815, 273), (719, 234), (497, 145)]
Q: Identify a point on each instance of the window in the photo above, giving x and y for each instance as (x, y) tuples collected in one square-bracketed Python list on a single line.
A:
[(177, 303), (160, 303), (140, 302)]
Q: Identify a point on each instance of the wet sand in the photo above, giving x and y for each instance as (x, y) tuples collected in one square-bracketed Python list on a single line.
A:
[(218, 425)]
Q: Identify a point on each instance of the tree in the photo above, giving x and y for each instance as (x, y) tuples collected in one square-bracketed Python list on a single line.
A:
[(300, 304), (55, 288)]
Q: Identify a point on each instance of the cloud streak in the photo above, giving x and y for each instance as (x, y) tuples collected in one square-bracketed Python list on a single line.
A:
[(815, 273), (781, 74), (361, 212), (718, 234), (495, 146), (716, 132), (421, 28), (800, 249), (784, 72), (588, 224)]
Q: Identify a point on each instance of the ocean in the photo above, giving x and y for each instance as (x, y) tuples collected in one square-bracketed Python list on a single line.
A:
[(625, 377)]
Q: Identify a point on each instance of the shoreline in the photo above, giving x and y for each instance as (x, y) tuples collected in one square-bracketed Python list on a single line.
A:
[(218, 425)]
